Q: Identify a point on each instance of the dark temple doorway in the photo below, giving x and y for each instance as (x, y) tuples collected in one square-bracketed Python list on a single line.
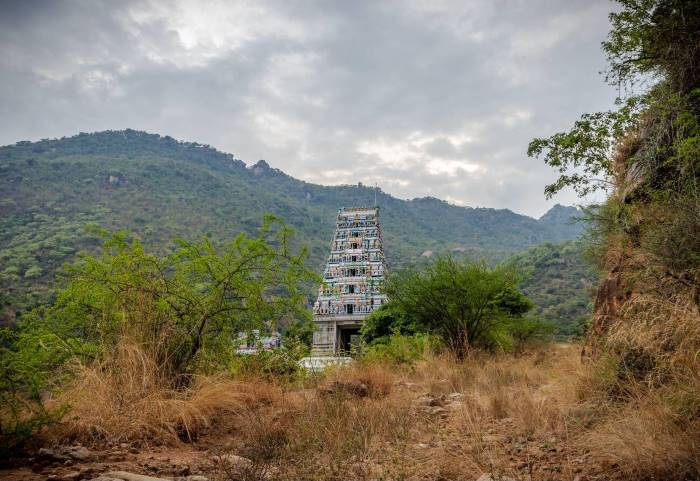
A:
[(349, 337)]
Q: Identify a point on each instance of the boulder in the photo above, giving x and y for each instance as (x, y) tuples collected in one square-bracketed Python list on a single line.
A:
[(66, 453), (428, 400), (233, 461)]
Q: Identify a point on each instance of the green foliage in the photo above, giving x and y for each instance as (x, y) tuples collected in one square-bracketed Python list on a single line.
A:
[(582, 156), (655, 38), (400, 348), (275, 365), (23, 381), (560, 283), (185, 302), (388, 320), (530, 329), (656, 209), (182, 310), (650, 40), (465, 304), (300, 331)]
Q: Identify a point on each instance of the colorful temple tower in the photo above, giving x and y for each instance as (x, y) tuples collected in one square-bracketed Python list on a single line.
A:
[(353, 281)]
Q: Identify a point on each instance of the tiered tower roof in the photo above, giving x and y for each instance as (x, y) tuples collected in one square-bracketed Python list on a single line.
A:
[(353, 279)]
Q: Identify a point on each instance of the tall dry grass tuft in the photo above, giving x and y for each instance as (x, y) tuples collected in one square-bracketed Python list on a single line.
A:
[(128, 397), (646, 439), (504, 407), (329, 436), (378, 378)]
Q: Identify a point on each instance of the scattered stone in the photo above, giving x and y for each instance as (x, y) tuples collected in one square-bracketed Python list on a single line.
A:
[(436, 410), (429, 401), (455, 396), (356, 388), (183, 470), (125, 476), (73, 475), (233, 460), (491, 477), (68, 453), (116, 456)]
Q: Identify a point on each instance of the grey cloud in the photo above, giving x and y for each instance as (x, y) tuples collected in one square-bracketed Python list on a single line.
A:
[(424, 98)]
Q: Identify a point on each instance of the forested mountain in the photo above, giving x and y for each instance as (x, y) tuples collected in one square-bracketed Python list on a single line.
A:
[(160, 189), (560, 282)]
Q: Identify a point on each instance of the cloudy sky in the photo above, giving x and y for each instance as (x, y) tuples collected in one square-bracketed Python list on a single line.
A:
[(423, 97)]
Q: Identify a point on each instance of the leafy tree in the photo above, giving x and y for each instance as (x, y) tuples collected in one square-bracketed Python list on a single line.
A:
[(176, 307), (582, 156), (465, 304), (388, 320), (653, 43), (655, 135), (300, 331), (182, 310), (657, 39)]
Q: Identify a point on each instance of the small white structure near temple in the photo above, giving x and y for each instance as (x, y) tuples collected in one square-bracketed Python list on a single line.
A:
[(251, 342)]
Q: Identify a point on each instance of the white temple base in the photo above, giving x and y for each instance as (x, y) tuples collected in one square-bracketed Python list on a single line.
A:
[(319, 363)]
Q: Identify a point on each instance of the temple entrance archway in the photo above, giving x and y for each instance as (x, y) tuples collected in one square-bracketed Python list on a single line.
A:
[(348, 337)]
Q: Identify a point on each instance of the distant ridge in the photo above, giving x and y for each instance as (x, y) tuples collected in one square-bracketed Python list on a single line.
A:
[(161, 188)]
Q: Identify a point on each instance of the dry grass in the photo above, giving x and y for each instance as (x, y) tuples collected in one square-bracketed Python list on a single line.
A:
[(647, 385), (126, 398), (542, 415), (647, 440), (480, 412)]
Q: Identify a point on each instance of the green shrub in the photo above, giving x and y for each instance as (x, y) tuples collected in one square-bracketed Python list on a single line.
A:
[(277, 364), (464, 303), (23, 382), (400, 348), (530, 330)]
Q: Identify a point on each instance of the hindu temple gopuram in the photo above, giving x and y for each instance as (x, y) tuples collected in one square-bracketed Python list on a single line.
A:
[(353, 281)]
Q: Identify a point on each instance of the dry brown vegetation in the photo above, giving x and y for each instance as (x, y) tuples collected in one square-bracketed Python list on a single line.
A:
[(541, 415)]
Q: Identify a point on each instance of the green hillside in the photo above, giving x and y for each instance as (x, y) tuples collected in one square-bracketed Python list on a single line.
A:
[(560, 282), (160, 188)]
